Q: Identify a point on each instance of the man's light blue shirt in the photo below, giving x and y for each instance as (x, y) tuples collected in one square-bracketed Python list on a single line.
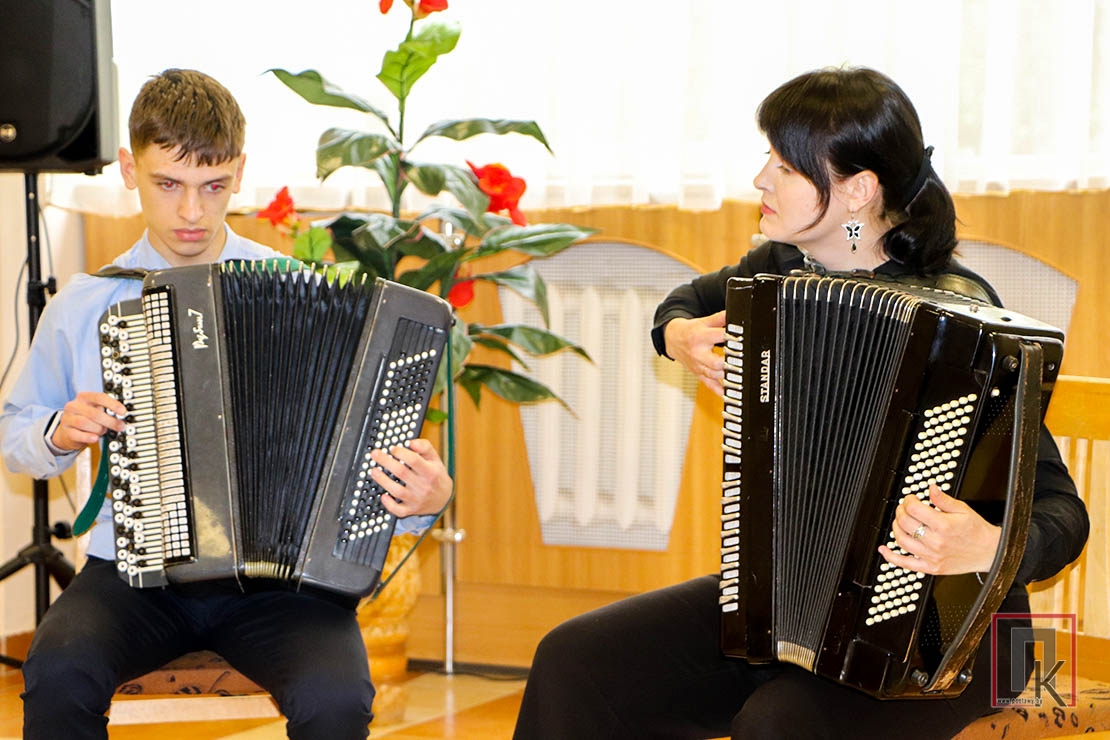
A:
[(64, 359)]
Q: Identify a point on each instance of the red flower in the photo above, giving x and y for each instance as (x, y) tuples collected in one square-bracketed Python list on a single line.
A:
[(280, 212), (503, 189), (424, 8), (385, 5), (461, 293)]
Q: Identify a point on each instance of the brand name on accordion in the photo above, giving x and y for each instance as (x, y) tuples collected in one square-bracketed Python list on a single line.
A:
[(765, 376), (200, 339)]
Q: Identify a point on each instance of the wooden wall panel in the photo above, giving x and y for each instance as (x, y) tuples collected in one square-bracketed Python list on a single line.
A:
[(1070, 231), (503, 567)]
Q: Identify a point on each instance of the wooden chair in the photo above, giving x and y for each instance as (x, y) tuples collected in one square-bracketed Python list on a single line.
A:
[(1026, 284), (202, 686), (198, 686), (215, 690), (1079, 417)]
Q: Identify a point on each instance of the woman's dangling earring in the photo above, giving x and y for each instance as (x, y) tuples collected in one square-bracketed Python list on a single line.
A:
[(853, 229)]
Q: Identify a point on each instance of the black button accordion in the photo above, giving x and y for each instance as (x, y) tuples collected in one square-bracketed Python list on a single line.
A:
[(255, 393), (843, 395)]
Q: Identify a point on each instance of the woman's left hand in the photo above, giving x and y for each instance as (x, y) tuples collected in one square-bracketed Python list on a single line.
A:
[(422, 485), (943, 539)]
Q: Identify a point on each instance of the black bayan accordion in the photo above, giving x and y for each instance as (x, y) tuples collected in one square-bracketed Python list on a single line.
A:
[(255, 393), (843, 395)]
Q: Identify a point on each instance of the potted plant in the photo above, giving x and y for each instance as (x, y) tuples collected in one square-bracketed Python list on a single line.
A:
[(446, 239)]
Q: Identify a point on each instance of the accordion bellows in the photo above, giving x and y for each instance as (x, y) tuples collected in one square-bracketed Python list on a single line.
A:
[(255, 394), (844, 395)]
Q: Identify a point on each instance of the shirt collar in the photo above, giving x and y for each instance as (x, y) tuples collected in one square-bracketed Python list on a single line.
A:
[(144, 255)]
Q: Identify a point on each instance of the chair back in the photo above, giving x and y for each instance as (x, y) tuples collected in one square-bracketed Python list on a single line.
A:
[(1025, 284), (1079, 418)]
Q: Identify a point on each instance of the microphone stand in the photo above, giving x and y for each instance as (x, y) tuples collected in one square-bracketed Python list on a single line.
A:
[(47, 560)]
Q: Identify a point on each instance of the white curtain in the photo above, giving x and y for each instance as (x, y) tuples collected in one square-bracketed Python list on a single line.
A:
[(651, 101)]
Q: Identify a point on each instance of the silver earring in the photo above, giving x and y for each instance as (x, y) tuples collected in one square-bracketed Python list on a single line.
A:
[(853, 229)]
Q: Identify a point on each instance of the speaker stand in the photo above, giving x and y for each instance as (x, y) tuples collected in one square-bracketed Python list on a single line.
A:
[(47, 560)]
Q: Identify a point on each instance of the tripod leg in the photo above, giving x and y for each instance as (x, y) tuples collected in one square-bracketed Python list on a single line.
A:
[(16, 564), (60, 569)]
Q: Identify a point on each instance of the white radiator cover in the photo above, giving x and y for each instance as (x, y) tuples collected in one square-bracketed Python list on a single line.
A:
[(607, 475)]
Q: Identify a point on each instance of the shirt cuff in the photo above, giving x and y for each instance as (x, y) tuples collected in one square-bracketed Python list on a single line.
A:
[(49, 433)]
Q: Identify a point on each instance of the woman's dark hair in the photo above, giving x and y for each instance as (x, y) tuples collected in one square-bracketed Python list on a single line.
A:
[(833, 123)]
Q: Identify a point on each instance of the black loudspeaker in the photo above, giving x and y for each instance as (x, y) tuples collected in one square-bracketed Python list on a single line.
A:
[(58, 98)]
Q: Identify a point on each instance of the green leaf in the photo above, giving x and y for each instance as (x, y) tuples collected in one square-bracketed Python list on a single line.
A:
[(312, 245), (346, 252), (466, 128), (374, 257), (524, 280), (434, 416), (473, 388), (433, 179), (386, 167), (538, 240), (511, 386), (312, 86), (461, 345), (432, 271), (500, 345), (429, 179), (402, 67), (426, 244), (463, 220), (339, 147), (348, 270), (341, 227), (534, 340), (457, 217)]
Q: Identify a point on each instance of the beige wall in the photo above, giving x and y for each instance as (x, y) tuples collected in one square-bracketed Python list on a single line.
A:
[(1069, 230)]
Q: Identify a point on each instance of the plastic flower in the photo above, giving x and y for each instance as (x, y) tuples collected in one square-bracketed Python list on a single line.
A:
[(503, 189), (281, 212), (423, 8), (310, 243), (371, 244), (461, 293)]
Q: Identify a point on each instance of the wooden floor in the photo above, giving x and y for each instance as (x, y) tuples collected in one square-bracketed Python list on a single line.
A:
[(459, 706), (440, 707)]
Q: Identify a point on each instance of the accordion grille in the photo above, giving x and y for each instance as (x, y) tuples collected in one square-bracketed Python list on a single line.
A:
[(291, 344), (839, 344)]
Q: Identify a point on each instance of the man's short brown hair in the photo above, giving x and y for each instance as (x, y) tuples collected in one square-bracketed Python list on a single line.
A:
[(188, 110)]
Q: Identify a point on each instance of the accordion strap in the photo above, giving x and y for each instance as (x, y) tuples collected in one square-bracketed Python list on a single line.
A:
[(115, 271), (139, 273), (948, 281), (91, 508)]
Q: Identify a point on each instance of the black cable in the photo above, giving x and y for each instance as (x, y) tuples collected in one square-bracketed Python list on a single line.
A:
[(15, 313), (487, 672), (46, 239)]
